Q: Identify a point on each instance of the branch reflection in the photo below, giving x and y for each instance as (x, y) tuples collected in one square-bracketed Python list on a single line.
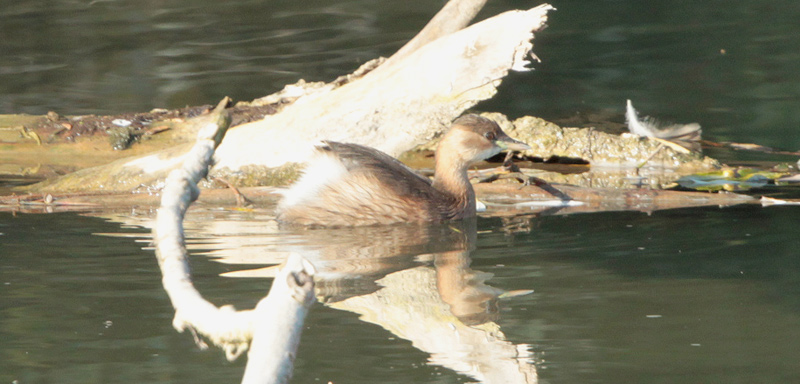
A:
[(416, 282)]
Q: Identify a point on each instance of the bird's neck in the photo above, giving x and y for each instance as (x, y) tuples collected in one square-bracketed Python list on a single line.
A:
[(450, 177)]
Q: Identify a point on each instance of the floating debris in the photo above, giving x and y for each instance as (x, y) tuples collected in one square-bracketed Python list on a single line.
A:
[(121, 122), (515, 293), (790, 179), (769, 201), (550, 203)]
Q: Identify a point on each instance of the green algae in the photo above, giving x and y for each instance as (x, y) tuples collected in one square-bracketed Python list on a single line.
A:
[(739, 179)]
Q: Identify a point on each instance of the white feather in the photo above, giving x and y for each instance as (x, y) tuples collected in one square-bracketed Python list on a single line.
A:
[(323, 169), (636, 126), (649, 127)]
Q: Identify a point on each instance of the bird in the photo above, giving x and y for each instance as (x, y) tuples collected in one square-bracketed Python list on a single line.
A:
[(348, 184)]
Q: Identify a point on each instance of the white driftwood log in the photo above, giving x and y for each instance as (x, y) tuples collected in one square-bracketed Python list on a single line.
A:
[(274, 326), (401, 103), (454, 16)]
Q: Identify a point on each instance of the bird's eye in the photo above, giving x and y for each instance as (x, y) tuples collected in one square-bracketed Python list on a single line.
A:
[(489, 135)]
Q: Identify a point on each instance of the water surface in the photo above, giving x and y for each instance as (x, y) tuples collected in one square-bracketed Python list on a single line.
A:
[(708, 294), (731, 66), (689, 295)]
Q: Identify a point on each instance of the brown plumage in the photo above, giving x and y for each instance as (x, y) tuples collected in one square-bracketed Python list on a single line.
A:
[(351, 185)]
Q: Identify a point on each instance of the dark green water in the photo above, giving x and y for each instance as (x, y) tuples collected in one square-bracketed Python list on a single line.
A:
[(729, 65), (697, 295), (700, 295)]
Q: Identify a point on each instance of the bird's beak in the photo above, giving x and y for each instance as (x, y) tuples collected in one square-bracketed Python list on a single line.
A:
[(507, 143)]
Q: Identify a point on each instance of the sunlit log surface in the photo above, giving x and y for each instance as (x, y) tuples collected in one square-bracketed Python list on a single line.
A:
[(398, 105), (276, 323)]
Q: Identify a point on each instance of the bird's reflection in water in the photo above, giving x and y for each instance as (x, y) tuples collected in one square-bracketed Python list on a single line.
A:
[(413, 280), (416, 282)]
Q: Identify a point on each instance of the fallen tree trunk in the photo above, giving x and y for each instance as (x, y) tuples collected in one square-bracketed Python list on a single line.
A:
[(393, 106), (396, 106)]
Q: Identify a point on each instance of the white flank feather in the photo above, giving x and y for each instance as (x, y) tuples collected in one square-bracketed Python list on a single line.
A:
[(323, 169)]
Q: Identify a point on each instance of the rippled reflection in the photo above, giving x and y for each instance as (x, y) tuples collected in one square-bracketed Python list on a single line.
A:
[(415, 281)]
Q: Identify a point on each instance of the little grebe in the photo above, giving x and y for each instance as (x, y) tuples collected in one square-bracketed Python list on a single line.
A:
[(351, 185)]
